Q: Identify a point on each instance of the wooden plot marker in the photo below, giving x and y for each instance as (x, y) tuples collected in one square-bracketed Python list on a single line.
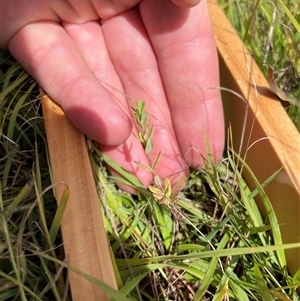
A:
[(84, 237), (274, 140)]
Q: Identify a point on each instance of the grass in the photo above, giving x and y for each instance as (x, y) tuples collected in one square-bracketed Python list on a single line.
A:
[(271, 31), (208, 242)]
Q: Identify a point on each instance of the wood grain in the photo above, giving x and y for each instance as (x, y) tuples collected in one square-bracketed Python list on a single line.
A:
[(84, 237), (274, 140)]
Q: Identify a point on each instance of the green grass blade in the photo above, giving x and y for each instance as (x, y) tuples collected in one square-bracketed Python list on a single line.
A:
[(164, 224), (263, 288), (271, 214), (247, 199), (16, 111), (238, 290), (128, 176), (210, 272), (222, 290), (13, 258), (116, 295), (13, 85), (51, 283), (290, 16), (22, 287), (133, 283), (23, 194), (59, 215), (211, 254)]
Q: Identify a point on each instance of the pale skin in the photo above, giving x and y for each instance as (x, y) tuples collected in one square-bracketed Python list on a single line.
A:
[(160, 51)]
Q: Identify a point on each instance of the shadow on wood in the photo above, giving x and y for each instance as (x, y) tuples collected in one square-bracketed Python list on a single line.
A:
[(270, 141)]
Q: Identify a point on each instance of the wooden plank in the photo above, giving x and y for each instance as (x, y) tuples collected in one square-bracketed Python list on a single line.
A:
[(274, 140), (84, 237)]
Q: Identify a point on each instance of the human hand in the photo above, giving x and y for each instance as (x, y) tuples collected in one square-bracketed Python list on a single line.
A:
[(155, 51)]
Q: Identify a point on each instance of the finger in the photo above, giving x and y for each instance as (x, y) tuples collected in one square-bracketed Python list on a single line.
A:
[(108, 8), (90, 41), (18, 13), (135, 62), (52, 58), (74, 11), (186, 3), (184, 44)]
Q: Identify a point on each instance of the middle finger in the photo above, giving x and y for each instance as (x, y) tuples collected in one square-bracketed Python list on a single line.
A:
[(134, 59)]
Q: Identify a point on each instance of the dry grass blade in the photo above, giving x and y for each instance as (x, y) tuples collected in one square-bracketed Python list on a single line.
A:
[(280, 93)]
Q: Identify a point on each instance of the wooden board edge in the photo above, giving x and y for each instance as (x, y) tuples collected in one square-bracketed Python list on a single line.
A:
[(270, 139), (84, 237)]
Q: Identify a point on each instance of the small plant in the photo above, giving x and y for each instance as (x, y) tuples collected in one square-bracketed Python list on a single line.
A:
[(161, 189), (146, 134)]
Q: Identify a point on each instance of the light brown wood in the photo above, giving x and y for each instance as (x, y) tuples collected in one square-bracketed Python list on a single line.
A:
[(274, 140), (84, 237)]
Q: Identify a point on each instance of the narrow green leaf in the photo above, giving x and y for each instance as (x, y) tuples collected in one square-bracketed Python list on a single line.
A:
[(211, 270), (116, 295), (290, 16), (59, 215), (157, 160), (271, 213), (237, 289), (16, 111), (21, 286), (144, 119), (263, 288), (131, 285), (13, 85), (148, 146), (296, 278), (127, 175), (144, 166), (164, 224), (222, 290), (19, 198), (211, 254), (140, 105)]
